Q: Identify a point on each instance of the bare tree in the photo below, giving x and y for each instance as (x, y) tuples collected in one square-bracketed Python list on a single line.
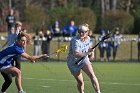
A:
[(102, 7), (110, 4), (80, 2), (113, 4), (107, 4), (127, 5), (63, 3), (3, 14)]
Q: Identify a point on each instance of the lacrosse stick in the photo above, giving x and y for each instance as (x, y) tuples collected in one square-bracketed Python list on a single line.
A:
[(104, 38), (62, 49)]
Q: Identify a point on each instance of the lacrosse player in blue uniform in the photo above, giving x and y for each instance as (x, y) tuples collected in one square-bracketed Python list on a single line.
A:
[(7, 58), (80, 46)]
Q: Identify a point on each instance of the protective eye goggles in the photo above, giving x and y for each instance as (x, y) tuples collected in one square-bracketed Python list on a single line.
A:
[(83, 28), (83, 31)]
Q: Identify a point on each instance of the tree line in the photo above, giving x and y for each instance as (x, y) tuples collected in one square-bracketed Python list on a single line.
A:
[(109, 14)]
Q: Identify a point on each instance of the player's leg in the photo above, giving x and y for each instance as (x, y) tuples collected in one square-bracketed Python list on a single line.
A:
[(101, 54), (16, 72), (139, 52), (108, 53), (17, 62), (2, 92), (114, 52), (80, 82), (18, 65), (7, 83), (89, 71), (37, 50), (138, 55)]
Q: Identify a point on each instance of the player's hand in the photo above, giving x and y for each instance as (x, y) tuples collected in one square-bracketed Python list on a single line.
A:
[(91, 56), (90, 51), (44, 55), (33, 61)]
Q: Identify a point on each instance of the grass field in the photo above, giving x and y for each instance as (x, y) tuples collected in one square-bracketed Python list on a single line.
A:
[(54, 77)]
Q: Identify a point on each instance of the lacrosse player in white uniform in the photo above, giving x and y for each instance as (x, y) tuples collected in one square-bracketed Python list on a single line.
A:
[(80, 46)]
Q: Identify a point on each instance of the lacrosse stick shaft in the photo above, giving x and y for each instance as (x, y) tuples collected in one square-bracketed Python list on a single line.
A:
[(86, 55), (105, 37), (53, 53)]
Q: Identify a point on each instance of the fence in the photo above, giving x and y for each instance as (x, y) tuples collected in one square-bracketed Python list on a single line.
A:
[(127, 51)]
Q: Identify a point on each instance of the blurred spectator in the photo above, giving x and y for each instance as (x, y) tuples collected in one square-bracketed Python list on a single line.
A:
[(11, 38), (55, 29), (14, 31), (24, 30), (116, 42), (108, 48), (102, 46), (18, 27), (11, 20), (70, 29), (139, 47), (38, 38), (46, 43), (92, 37)]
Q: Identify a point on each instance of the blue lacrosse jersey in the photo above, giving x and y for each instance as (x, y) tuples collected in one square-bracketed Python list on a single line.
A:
[(7, 55)]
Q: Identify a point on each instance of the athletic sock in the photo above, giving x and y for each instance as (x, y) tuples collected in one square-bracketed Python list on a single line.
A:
[(21, 91), (98, 91), (2, 92)]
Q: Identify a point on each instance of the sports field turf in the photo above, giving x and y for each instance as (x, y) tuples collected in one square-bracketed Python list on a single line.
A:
[(54, 77)]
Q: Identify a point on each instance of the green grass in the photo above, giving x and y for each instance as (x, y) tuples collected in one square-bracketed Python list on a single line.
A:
[(54, 77)]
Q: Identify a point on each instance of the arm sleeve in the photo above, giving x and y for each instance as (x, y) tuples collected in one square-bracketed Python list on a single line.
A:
[(75, 46), (19, 50)]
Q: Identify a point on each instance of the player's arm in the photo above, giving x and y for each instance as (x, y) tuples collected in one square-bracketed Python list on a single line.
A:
[(76, 50), (91, 55), (82, 54), (33, 58)]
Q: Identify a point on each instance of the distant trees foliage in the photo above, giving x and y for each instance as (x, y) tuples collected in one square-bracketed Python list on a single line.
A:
[(124, 14)]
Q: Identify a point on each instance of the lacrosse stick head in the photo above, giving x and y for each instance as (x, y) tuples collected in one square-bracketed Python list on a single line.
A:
[(106, 36), (62, 49)]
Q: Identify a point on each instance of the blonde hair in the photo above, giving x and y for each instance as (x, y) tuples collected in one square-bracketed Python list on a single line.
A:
[(22, 34)]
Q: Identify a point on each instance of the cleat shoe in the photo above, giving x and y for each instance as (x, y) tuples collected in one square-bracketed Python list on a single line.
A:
[(22, 92)]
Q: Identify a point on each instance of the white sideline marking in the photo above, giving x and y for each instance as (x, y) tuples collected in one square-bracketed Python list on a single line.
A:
[(108, 83), (46, 86), (111, 83)]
